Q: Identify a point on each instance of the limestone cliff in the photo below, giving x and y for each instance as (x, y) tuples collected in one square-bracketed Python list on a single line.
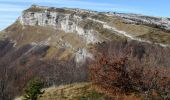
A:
[(66, 20), (76, 30)]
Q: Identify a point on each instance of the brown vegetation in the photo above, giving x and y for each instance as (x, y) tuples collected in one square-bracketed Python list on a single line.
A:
[(19, 65), (120, 67), (76, 91), (132, 67)]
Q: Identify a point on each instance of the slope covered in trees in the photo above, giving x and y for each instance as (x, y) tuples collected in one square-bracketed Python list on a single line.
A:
[(19, 65), (131, 67)]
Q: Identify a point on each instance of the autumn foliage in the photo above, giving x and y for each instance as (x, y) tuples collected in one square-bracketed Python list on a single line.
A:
[(121, 67)]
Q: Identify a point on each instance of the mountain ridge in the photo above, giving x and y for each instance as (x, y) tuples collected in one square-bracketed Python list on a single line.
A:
[(162, 23), (86, 27), (58, 44)]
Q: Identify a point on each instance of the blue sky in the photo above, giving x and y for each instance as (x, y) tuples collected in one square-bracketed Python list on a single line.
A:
[(10, 10)]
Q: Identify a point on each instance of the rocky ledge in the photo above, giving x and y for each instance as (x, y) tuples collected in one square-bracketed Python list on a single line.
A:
[(158, 22)]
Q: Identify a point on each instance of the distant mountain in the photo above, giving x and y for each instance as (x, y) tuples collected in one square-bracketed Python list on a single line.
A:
[(44, 41)]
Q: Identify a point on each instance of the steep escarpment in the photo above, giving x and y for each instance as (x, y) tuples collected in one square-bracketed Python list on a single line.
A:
[(86, 27), (67, 21)]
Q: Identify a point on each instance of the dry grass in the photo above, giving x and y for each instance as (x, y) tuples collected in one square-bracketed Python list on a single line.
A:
[(65, 55), (83, 91), (157, 37), (28, 34), (142, 31), (56, 39), (52, 51), (38, 9), (76, 91)]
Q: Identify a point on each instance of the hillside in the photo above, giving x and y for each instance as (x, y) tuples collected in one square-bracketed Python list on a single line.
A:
[(79, 91), (59, 44), (76, 91), (76, 30)]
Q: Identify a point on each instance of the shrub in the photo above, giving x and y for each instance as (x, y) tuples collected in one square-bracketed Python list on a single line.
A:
[(33, 90), (111, 75), (124, 67)]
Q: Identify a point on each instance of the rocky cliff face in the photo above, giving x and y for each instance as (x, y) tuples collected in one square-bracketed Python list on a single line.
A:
[(76, 29), (66, 21)]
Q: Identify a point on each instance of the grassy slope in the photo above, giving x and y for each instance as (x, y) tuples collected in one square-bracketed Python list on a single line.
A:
[(35, 34), (28, 34), (141, 31), (82, 91), (145, 32), (77, 91)]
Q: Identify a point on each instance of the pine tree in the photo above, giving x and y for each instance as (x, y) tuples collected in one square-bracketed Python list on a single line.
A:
[(33, 89)]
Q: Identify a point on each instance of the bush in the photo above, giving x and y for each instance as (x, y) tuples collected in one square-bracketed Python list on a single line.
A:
[(124, 67), (33, 90)]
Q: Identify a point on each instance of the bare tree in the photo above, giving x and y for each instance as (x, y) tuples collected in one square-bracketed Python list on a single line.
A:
[(3, 82)]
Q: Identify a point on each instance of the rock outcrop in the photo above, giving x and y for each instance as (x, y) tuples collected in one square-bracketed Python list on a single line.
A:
[(159, 22), (65, 20)]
